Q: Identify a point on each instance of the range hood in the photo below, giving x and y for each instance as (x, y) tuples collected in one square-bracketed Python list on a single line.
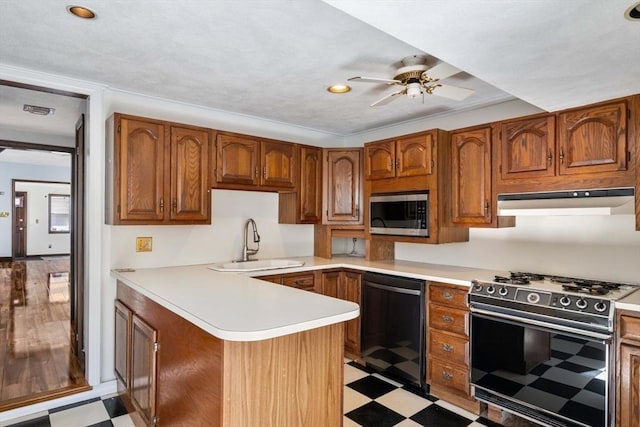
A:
[(615, 201)]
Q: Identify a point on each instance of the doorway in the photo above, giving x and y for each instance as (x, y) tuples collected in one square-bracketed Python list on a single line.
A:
[(42, 295)]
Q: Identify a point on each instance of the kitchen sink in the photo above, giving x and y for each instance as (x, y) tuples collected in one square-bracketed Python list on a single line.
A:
[(257, 265)]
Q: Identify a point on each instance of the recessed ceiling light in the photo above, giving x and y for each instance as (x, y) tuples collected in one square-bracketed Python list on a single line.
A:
[(81, 12), (340, 88), (41, 111), (633, 13)]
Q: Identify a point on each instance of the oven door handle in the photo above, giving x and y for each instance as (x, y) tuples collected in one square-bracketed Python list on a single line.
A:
[(489, 314), (392, 288)]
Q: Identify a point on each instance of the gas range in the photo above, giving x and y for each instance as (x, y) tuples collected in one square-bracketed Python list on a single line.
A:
[(577, 302)]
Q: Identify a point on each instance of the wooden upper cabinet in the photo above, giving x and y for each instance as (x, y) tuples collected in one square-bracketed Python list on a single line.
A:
[(310, 198), (528, 148), (343, 196), (407, 156), (471, 176), (593, 139), (140, 160), (190, 194), (157, 172), (279, 164), (238, 161)]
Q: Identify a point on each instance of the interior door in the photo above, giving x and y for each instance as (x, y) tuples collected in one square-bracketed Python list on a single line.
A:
[(77, 245), (20, 225)]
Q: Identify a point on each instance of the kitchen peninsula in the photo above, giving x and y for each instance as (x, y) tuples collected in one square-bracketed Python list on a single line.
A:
[(198, 347)]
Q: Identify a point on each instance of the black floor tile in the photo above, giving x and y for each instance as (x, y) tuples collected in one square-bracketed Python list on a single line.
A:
[(503, 385), (539, 370), (555, 388), (371, 387), (107, 423), (437, 416), (596, 386), (36, 422), (374, 414), (560, 354), (114, 407), (487, 422), (584, 413), (574, 367), (73, 405), (592, 353), (363, 368)]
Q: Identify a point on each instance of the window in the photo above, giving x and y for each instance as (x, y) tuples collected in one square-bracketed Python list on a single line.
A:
[(59, 213)]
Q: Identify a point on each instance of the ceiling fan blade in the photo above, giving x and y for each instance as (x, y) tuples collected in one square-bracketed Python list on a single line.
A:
[(442, 71), (388, 98), (374, 80), (452, 92)]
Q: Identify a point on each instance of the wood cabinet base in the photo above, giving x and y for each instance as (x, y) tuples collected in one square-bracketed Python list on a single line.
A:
[(290, 380), (463, 401)]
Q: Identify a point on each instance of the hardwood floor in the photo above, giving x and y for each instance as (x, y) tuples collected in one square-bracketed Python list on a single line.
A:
[(36, 359)]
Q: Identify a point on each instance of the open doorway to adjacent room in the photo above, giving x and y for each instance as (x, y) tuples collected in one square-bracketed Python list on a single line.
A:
[(42, 299)]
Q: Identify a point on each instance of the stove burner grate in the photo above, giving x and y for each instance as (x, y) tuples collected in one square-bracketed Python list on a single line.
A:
[(591, 289)]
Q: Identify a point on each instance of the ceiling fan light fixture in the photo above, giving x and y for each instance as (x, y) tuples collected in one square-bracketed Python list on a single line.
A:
[(81, 12), (339, 88), (414, 90), (40, 111)]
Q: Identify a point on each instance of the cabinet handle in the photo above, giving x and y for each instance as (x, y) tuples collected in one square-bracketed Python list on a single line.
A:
[(256, 172), (397, 163), (447, 347), (161, 204), (561, 155), (447, 376), (486, 207), (549, 157), (448, 296), (264, 172), (447, 319), (357, 210), (175, 205)]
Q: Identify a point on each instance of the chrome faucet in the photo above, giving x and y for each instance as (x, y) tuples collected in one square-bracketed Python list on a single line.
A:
[(246, 252)]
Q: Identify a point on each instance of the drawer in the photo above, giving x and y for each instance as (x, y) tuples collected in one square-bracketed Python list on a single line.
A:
[(450, 375), (629, 328), (300, 281), (449, 347), (452, 295), (448, 319)]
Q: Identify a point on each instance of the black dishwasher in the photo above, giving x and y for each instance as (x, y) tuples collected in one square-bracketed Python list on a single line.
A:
[(393, 327)]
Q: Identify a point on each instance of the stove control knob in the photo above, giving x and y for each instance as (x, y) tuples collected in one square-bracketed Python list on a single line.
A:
[(477, 287), (565, 301), (503, 291), (533, 298), (491, 290), (581, 304), (600, 306)]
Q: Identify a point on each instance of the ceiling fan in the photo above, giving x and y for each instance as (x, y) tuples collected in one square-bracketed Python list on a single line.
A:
[(417, 78)]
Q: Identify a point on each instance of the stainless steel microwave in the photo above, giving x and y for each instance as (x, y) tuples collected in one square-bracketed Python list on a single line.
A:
[(402, 214)]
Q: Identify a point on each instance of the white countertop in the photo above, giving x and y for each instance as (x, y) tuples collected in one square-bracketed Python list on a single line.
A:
[(237, 307), (630, 302)]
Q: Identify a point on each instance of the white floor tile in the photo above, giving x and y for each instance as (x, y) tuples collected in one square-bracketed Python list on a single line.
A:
[(24, 418), (403, 402), (352, 374), (408, 423), (353, 399), (80, 416), (348, 422), (122, 421)]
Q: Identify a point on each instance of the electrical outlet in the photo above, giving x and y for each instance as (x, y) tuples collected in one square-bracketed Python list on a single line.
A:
[(143, 244)]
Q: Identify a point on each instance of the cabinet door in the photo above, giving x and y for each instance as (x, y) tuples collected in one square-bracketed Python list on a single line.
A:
[(593, 139), (310, 185), (414, 155), (189, 174), (351, 290), (379, 160), (143, 369), (471, 176), (279, 164), (528, 148), (122, 345), (237, 160), (330, 282), (629, 388), (303, 281), (141, 156), (343, 186)]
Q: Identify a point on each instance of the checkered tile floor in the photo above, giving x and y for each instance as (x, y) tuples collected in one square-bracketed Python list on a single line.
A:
[(370, 400)]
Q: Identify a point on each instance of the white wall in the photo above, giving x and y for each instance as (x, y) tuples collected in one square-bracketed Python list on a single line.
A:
[(597, 247), (39, 240), (21, 135), (9, 171)]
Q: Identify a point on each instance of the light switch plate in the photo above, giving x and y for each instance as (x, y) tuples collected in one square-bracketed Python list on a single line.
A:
[(143, 244)]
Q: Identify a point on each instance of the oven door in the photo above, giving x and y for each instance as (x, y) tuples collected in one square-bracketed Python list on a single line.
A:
[(547, 373)]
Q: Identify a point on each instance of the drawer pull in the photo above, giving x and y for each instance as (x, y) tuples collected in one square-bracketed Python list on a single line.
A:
[(447, 319), (447, 347), (448, 296), (299, 282), (447, 376)]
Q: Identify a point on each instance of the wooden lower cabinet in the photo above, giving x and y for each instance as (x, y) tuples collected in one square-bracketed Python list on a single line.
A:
[(628, 370), (305, 281), (448, 345), (198, 379), (346, 285)]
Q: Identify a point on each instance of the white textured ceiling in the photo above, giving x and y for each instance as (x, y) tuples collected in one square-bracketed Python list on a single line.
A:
[(274, 58)]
